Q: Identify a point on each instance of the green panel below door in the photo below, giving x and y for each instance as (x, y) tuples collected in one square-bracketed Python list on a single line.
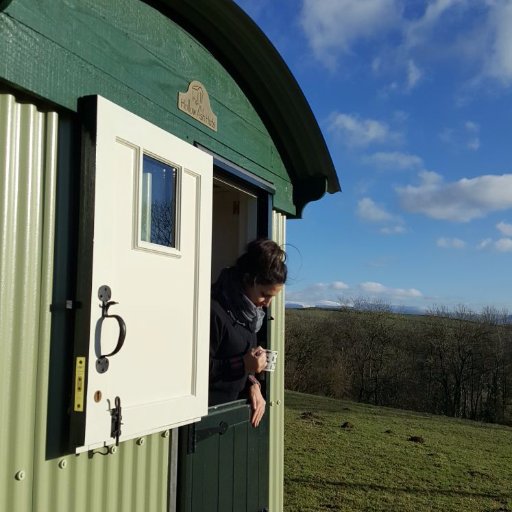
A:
[(225, 472)]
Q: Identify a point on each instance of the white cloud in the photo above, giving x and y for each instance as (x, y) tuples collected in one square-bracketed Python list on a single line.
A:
[(430, 178), (316, 293), (334, 26), (473, 135), (473, 144), (485, 243), (328, 294), (459, 201), (446, 135), (414, 75), (373, 288), (487, 44), (499, 62), (451, 243), (394, 160), (357, 132), (504, 245), (504, 228), (338, 285), (500, 245), (334, 285), (368, 210), (418, 31), (465, 137)]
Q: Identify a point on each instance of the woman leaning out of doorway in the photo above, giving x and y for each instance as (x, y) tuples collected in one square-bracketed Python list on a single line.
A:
[(239, 299)]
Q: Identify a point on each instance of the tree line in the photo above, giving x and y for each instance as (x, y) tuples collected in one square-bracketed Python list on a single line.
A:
[(454, 362)]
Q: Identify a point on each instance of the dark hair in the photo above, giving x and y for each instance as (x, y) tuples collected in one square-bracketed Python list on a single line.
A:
[(263, 263)]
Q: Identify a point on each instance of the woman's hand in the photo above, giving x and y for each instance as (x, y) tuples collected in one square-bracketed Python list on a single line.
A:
[(257, 404), (255, 360)]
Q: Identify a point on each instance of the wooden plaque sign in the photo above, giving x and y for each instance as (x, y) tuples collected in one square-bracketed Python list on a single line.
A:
[(196, 103)]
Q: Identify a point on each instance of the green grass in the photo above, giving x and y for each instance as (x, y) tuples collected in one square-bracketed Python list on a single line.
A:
[(461, 465)]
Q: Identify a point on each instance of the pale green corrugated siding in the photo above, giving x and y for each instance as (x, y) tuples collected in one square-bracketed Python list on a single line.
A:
[(24, 137), (135, 478), (277, 388)]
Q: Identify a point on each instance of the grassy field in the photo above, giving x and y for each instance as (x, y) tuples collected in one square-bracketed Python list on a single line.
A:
[(372, 465)]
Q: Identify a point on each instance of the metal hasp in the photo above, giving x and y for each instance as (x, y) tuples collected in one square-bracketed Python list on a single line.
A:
[(115, 428), (104, 294)]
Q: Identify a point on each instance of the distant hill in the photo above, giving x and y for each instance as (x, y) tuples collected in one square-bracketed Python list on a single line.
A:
[(404, 310), (295, 305), (399, 309)]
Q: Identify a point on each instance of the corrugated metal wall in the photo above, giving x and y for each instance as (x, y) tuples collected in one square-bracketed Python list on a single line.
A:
[(27, 143), (276, 402), (134, 479)]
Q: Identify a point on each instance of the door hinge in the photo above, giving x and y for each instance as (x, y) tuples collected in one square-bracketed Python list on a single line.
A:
[(196, 435), (68, 305)]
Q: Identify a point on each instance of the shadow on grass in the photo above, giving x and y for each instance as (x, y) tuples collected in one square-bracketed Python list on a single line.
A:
[(320, 483)]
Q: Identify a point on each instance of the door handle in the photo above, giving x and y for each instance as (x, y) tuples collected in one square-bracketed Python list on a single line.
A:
[(104, 294)]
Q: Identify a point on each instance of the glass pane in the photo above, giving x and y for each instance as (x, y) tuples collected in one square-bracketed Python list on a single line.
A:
[(158, 205)]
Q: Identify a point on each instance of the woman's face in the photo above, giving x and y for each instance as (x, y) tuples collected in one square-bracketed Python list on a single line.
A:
[(261, 295)]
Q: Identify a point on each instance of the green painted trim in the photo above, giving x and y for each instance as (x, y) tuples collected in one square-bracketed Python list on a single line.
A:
[(308, 189)]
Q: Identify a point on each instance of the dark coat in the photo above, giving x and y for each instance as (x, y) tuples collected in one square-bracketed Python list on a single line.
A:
[(229, 341)]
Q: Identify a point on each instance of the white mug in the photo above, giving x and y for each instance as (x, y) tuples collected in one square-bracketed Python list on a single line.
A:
[(271, 360)]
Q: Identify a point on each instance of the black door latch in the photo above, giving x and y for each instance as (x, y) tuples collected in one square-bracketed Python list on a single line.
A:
[(115, 425)]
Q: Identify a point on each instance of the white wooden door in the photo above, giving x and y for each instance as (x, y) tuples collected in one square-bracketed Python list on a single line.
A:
[(152, 248)]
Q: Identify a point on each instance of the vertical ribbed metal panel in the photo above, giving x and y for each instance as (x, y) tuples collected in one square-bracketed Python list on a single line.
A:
[(23, 138), (276, 455), (134, 479)]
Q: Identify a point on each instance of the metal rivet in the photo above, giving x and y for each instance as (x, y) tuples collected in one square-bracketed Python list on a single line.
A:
[(20, 475), (279, 402), (63, 463), (112, 449), (165, 434), (271, 403), (97, 396), (141, 441)]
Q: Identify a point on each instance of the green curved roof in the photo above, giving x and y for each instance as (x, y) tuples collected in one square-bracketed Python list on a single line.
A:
[(248, 55)]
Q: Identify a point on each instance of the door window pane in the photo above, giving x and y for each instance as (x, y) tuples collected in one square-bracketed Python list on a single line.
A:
[(158, 205)]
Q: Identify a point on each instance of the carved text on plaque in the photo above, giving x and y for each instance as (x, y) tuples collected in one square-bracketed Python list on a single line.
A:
[(196, 103)]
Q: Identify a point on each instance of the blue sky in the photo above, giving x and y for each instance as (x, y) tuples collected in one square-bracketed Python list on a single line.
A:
[(414, 99)]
